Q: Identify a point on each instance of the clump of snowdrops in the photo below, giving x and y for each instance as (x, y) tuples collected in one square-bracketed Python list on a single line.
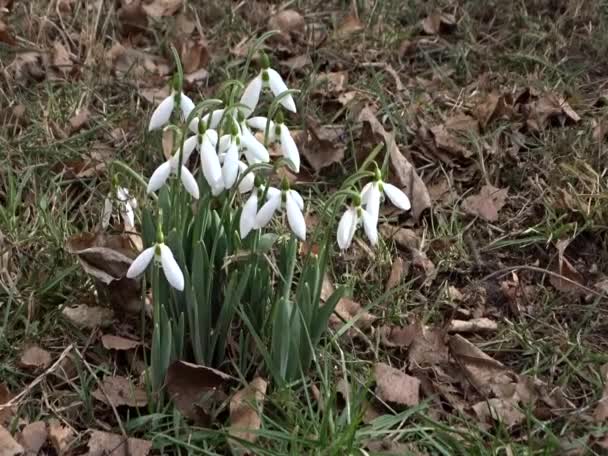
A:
[(217, 265)]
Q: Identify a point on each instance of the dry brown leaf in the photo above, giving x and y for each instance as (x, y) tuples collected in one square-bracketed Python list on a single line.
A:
[(7, 413), (104, 443), (567, 270), (6, 35), (132, 17), (60, 436), (549, 109), (194, 53), (397, 273), (246, 412), (196, 390), (297, 62), (35, 357), (438, 22), (474, 325), (446, 135), (405, 238), (168, 143), (111, 342), (79, 120), (137, 64), (27, 66), (403, 171), (349, 25), (332, 83), (120, 391), (486, 203), (90, 317), (490, 107), (347, 310), (327, 288), (160, 8), (424, 265), (33, 437), (501, 410), (290, 25), (324, 146), (8, 445), (428, 348), (396, 387), (395, 336), (61, 59)]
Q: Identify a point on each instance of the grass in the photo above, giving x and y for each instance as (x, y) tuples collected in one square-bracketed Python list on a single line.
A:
[(557, 186)]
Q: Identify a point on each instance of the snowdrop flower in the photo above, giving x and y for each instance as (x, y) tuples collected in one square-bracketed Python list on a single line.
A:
[(290, 201), (372, 194), (162, 173), (127, 205), (266, 78), (351, 219), (164, 257), (162, 113), (210, 120), (210, 162), (248, 181), (279, 130)]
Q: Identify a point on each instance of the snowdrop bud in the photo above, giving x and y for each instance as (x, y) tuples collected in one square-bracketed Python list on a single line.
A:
[(159, 177), (289, 149), (162, 113), (295, 218), (347, 227), (264, 60), (397, 197), (278, 88), (171, 269), (189, 182), (140, 263)]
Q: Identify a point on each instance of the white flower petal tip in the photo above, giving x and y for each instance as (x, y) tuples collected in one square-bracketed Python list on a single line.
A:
[(248, 214), (295, 218), (346, 228), (372, 200), (230, 170), (212, 170), (187, 106), (298, 199), (162, 113), (159, 177), (140, 263), (189, 182), (251, 95), (397, 197), (289, 149), (171, 269), (267, 211), (369, 226), (247, 181), (278, 87)]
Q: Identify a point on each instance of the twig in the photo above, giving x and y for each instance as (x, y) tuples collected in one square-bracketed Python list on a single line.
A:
[(15, 400)]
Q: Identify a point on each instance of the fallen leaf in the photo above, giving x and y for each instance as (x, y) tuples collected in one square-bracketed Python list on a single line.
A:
[(6, 35), (347, 310), (90, 317), (487, 203), (195, 389), (60, 436), (297, 62), (5, 413), (325, 147), (396, 387), (405, 238), (397, 273), (120, 391), (501, 410), (103, 443), (402, 337), (489, 108), (423, 264), (474, 325), (79, 120), (132, 17), (160, 8), (61, 59), (445, 135), (428, 348), (331, 83), (403, 171), (438, 22), (567, 270), (349, 25), (168, 143), (111, 342), (196, 77), (290, 24), (8, 445), (246, 411), (137, 64), (194, 53), (28, 66), (33, 437), (35, 357), (548, 109)]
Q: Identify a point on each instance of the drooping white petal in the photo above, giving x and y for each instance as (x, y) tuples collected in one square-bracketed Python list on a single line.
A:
[(127, 214), (365, 192), (107, 213), (298, 199), (212, 170), (372, 203), (186, 104), (347, 227), (140, 263), (211, 136), (259, 123), (277, 86), (267, 211), (230, 170), (189, 146), (295, 218), (251, 95), (247, 182), (397, 197), (122, 194), (171, 269), (159, 176), (369, 226), (248, 214), (289, 149), (225, 142), (272, 192), (211, 119), (189, 182), (254, 150), (162, 113)]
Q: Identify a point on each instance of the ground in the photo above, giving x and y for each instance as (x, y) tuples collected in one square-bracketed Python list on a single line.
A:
[(477, 326)]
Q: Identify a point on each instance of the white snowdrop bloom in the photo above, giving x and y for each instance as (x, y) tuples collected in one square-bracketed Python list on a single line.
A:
[(372, 194), (126, 205), (163, 256), (162, 113), (291, 202), (270, 78), (248, 214), (230, 166), (211, 120), (161, 174), (248, 181), (279, 130), (210, 162), (349, 222)]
